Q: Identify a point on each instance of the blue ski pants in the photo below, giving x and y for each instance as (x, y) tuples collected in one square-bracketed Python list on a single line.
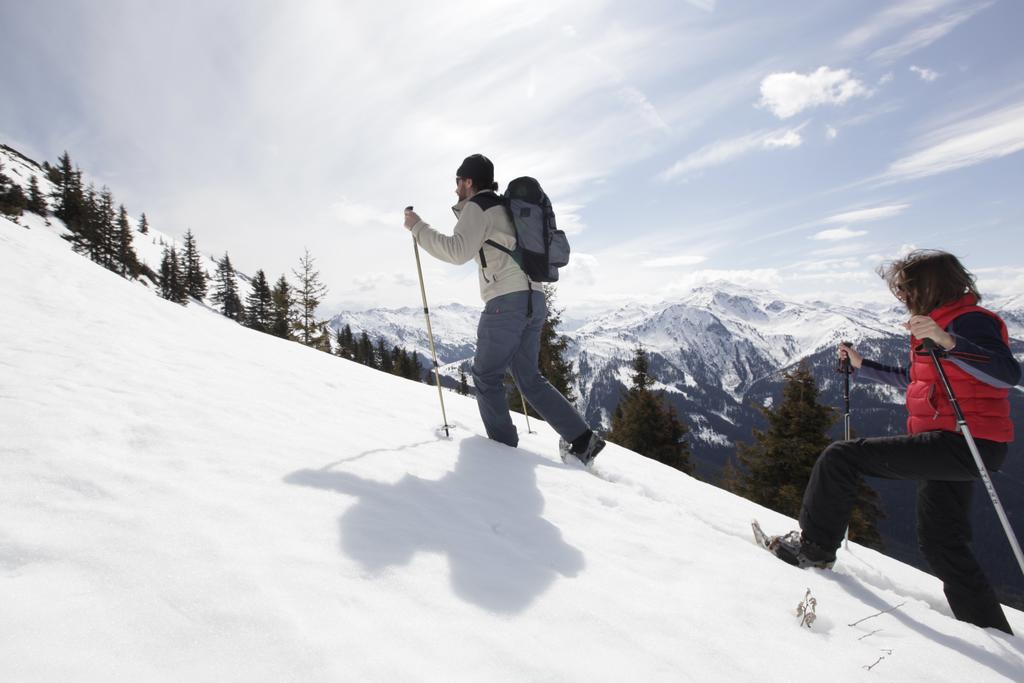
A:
[(508, 338)]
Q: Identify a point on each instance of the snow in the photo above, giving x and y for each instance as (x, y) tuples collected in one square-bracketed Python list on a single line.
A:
[(185, 499)]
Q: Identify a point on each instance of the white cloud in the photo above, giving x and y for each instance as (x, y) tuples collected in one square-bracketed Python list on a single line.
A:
[(831, 132), (966, 143), (673, 261), (925, 74), (755, 278), (838, 234), (886, 78), (724, 151), (706, 5), (864, 215), (788, 94), (372, 281), (568, 217), (790, 138), (582, 270), (830, 265), (925, 36), (356, 215), (889, 19)]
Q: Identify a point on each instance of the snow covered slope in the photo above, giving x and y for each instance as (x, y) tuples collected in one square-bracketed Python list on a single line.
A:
[(185, 499)]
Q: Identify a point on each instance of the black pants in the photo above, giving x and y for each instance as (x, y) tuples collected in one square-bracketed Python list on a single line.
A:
[(945, 470)]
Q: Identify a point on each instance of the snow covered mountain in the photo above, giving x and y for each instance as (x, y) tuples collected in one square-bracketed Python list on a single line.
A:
[(711, 350), (185, 499)]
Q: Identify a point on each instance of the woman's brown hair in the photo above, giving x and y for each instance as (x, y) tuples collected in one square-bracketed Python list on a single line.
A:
[(926, 279)]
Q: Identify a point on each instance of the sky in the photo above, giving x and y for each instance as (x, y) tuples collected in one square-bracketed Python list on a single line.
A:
[(194, 533), (778, 145)]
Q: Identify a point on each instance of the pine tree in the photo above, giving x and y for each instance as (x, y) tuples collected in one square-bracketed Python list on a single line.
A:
[(259, 304), (553, 365), (226, 294), (79, 214), (775, 468), (401, 360), (463, 383), (309, 293), (322, 340), (105, 221), (143, 224), (281, 296), (172, 285), (346, 343), (36, 200), (192, 263), (12, 198), (127, 259), (415, 367), (384, 361), (644, 423), (364, 351), (67, 191)]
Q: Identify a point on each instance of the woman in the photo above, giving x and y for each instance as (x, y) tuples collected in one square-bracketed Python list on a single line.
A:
[(942, 299)]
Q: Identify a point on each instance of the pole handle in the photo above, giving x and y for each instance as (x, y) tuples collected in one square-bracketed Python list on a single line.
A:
[(844, 363)]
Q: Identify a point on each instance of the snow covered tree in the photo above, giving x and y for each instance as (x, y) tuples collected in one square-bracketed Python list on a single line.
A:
[(259, 304), (105, 220), (309, 293), (226, 293), (644, 423), (775, 468), (143, 224), (192, 264), (281, 296)]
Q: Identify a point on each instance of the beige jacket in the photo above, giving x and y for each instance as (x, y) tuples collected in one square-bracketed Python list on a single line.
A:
[(502, 275)]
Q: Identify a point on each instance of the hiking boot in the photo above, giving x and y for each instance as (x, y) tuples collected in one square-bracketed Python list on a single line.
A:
[(796, 550), (583, 449)]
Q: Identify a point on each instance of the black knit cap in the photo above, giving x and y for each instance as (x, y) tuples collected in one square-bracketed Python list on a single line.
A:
[(479, 169)]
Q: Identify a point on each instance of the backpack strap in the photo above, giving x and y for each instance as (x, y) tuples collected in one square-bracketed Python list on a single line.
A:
[(486, 200), (489, 200)]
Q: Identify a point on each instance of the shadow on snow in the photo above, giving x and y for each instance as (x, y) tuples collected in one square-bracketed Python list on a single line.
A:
[(485, 516)]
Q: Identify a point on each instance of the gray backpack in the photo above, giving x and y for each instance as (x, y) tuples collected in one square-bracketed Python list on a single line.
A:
[(541, 248)]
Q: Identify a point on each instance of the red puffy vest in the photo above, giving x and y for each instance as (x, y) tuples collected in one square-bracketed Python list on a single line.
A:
[(986, 408)]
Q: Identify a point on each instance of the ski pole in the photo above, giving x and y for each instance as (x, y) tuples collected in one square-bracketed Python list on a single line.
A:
[(845, 369), (961, 424), (526, 412), (430, 332)]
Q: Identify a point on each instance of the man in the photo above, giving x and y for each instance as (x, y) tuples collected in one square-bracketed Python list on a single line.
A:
[(508, 336)]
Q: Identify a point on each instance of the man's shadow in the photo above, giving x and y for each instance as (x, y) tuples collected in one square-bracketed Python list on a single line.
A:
[(485, 516)]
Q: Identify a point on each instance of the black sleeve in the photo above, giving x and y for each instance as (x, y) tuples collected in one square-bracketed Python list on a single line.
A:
[(981, 352)]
